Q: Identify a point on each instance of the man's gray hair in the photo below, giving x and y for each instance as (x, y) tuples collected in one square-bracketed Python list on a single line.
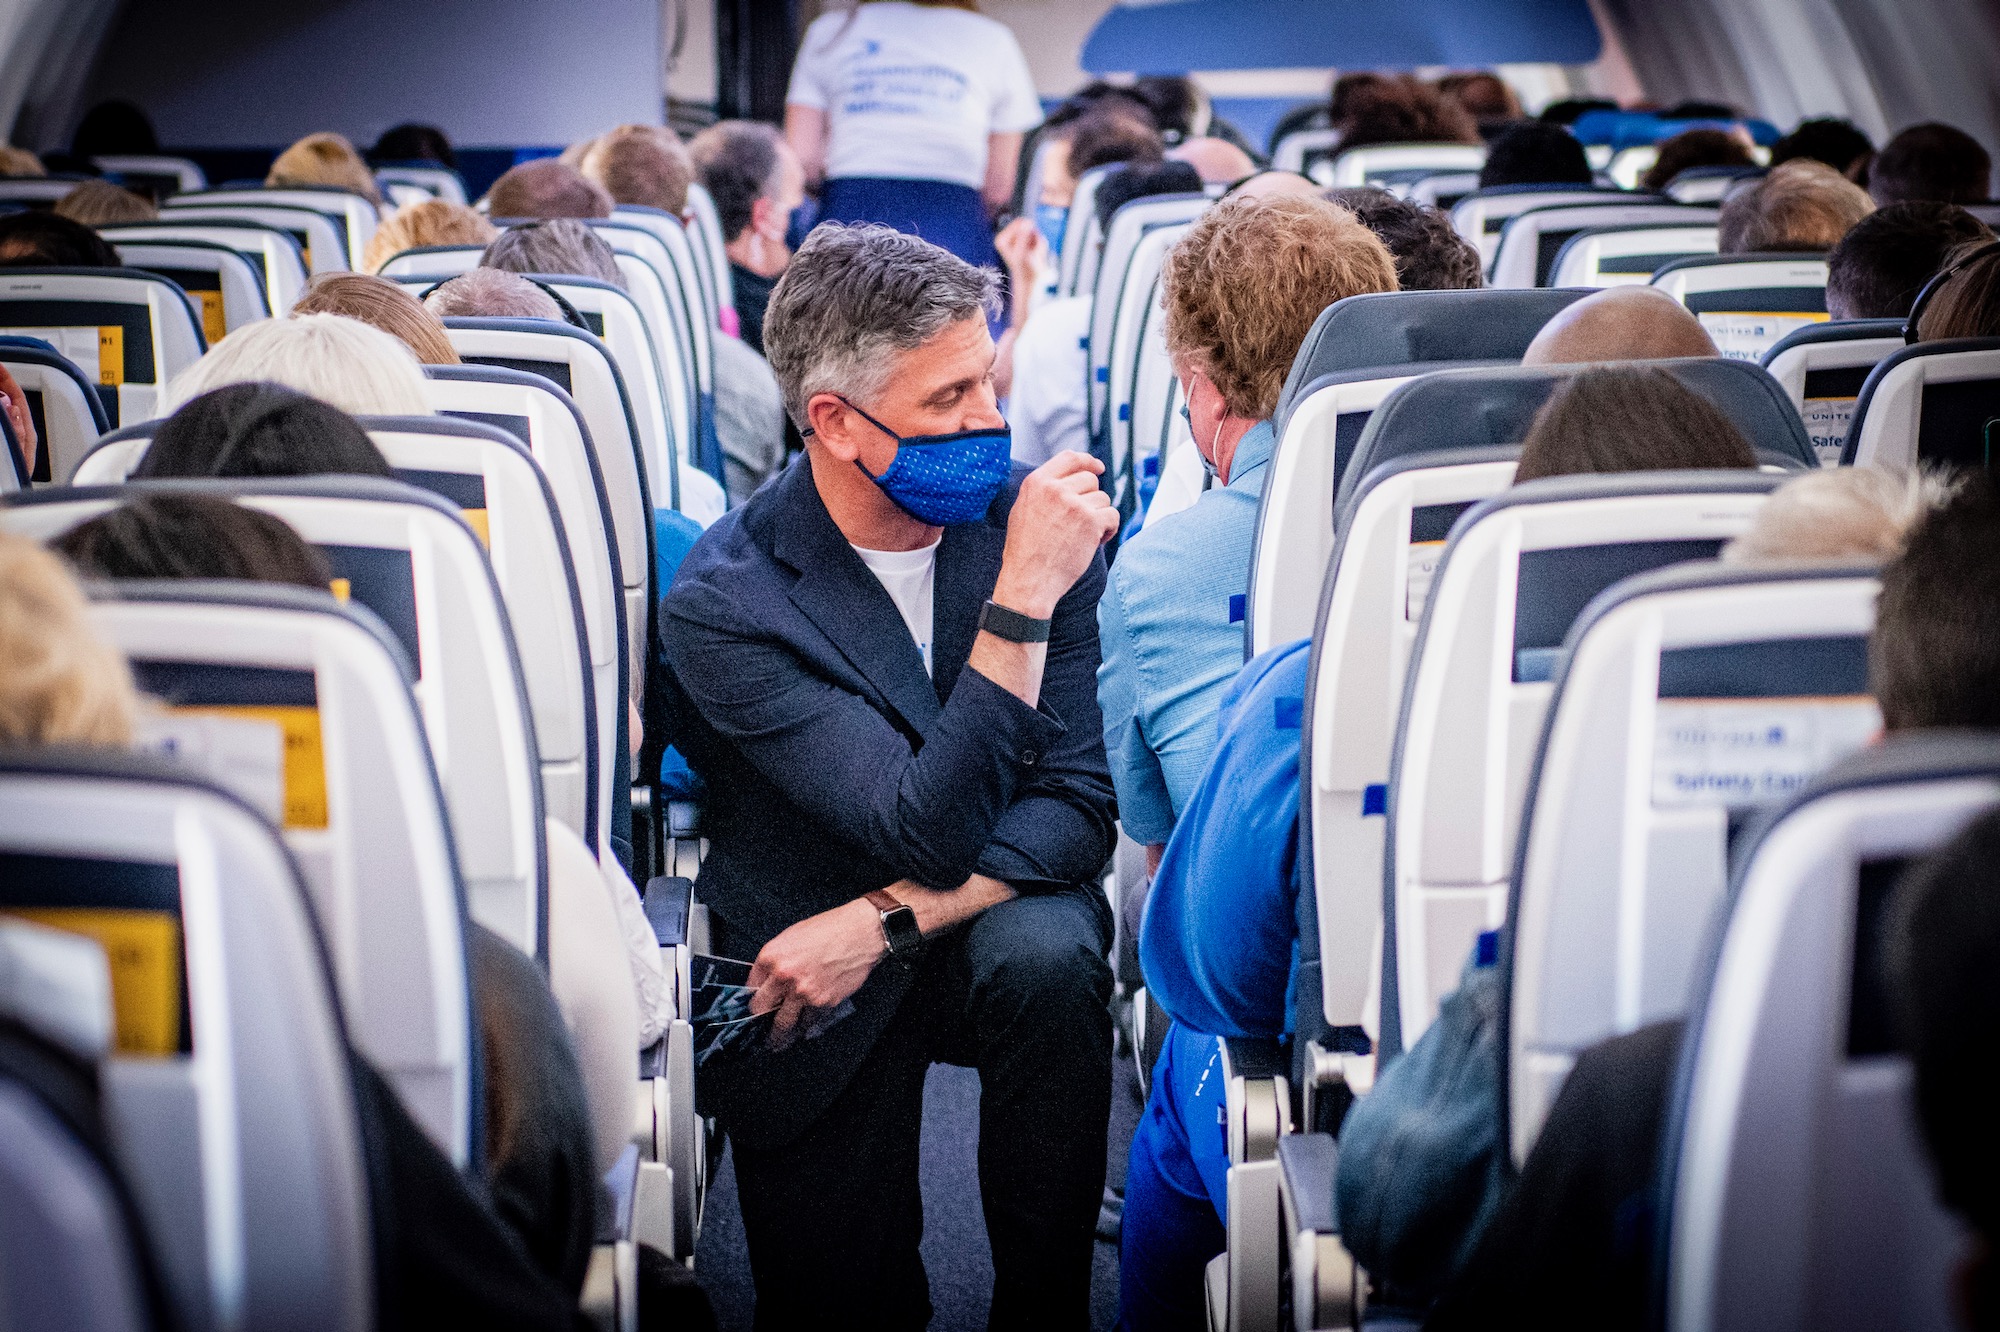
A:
[(561, 246), (494, 293), (852, 298)]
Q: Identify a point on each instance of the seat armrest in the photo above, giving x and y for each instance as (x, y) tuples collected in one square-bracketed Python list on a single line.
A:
[(1255, 1057), (667, 902), (683, 818), (1257, 1099), (1306, 1165)]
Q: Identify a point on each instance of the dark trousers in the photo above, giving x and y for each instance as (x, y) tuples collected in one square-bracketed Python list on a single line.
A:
[(835, 1215)]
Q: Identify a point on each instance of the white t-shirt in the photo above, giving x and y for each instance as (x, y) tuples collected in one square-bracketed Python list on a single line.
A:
[(1050, 399), (911, 91), (909, 577)]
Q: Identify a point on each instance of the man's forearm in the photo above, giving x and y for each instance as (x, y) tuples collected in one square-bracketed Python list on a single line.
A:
[(940, 910)]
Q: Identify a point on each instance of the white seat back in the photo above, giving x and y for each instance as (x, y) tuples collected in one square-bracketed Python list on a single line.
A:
[(353, 216), (1291, 152), (1822, 368), (1118, 279), (439, 182), (273, 252), (1083, 238), (185, 174), (665, 403), (1799, 1192), (582, 367), (1628, 164), (63, 401), (711, 247), (1749, 302), (1374, 591), (1690, 697), (1709, 184), (432, 263), (226, 288), (1513, 577), (237, 1129), (37, 191), (1371, 164), (1481, 215), (1124, 338), (319, 236), (1625, 256), (1531, 239), (1442, 189), (133, 330), (1933, 402)]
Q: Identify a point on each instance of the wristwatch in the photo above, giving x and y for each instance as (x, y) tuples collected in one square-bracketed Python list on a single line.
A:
[(899, 928), (1011, 625)]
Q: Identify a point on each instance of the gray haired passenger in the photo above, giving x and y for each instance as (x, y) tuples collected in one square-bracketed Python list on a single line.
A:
[(560, 245), (493, 293)]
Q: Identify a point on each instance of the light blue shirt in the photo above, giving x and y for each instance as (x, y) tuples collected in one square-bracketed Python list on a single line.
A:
[(1171, 624)]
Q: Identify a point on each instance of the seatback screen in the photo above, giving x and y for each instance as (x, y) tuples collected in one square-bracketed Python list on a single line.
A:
[(1553, 586)]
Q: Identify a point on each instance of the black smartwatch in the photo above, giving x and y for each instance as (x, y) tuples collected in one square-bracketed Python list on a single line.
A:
[(899, 928), (1011, 625)]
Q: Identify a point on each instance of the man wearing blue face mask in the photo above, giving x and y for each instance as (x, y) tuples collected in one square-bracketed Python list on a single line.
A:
[(883, 666)]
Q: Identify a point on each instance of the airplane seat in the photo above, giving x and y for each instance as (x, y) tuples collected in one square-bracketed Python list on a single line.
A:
[(275, 254), (185, 174), (713, 250), (439, 182), (1932, 402), (1796, 1191), (1688, 699), (1822, 367), (79, 1259), (1123, 276), (1304, 148), (1629, 255), (37, 191), (434, 263), (228, 1097), (1144, 413), (662, 242), (1182, 478), (582, 367), (1441, 189), (1628, 164), (1355, 355), (1748, 302), (1481, 215), (227, 290), (1710, 184), (321, 235), (1381, 163), (353, 216), (137, 330), (63, 402), (1531, 239), (1083, 235), (1517, 571), (1118, 327)]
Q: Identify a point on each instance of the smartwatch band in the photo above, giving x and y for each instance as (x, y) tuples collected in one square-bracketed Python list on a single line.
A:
[(1013, 626)]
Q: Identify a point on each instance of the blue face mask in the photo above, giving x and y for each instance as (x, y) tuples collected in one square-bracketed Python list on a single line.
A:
[(1050, 220), (1206, 465), (944, 479)]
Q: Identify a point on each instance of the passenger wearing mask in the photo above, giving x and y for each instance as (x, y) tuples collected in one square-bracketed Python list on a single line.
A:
[(1802, 206), (359, 369), (1047, 359), (1934, 162), (1219, 945), (382, 304), (757, 184), (1171, 635), (1884, 260), (1430, 255), (936, 155), (1535, 153), (867, 664)]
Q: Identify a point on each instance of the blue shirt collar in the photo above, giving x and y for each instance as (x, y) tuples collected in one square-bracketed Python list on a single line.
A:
[(1253, 451)]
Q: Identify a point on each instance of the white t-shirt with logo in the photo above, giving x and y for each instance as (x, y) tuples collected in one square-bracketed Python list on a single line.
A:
[(909, 577), (911, 91)]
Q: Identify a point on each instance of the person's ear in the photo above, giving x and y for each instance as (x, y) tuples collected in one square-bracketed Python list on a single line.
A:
[(766, 219), (833, 426)]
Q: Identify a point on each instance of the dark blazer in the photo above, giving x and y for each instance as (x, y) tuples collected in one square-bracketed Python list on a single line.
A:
[(835, 766)]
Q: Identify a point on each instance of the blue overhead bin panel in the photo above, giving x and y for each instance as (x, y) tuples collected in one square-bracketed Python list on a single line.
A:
[(1181, 35)]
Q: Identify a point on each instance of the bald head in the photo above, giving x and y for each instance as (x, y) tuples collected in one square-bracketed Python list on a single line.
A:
[(1276, 184), (1620, 324), (1218, 160)]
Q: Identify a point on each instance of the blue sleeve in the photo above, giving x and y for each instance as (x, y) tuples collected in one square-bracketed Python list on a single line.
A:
[(1218, 941), (1144, 807)]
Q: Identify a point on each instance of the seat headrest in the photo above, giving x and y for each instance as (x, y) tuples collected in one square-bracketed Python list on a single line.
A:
[(1484, 408), (256, 596), (1398, 328), (1836, 330)]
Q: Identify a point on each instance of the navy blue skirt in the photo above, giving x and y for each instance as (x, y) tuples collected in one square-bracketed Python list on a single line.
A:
[(947, 215)]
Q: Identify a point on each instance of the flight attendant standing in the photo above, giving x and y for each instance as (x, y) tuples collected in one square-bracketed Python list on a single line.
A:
[(910, 113)]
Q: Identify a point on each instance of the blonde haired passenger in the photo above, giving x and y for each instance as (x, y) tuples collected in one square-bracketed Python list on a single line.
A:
[(382, 304), (428, 222), (1801, 206), (1241, 289), (323, 159), (361, 370), (20, 162), (1840, 513), (646, 165), (60, 684)]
